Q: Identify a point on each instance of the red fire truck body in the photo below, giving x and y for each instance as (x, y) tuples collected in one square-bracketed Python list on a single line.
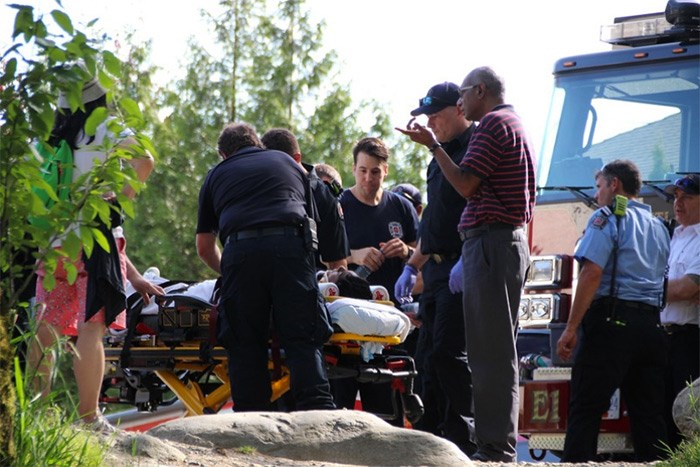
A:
[(638, 101)]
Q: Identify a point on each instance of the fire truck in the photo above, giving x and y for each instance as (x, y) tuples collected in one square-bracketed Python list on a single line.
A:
[(637, 101)]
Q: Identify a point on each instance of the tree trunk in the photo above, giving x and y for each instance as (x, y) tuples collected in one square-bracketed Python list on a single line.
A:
[(7, 394)]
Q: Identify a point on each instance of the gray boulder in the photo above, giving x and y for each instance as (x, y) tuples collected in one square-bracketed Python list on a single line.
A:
[(686, 410), (338, 436), (140, 445)]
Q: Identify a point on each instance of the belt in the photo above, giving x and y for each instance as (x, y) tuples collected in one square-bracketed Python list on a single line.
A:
[(604, 301), (438, 258), (482, 229), (287, 231), (672, 328)]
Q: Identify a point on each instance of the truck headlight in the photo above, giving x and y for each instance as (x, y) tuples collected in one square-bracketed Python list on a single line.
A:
[(537, 310), (524, 308), (549, 272), (541, 308)]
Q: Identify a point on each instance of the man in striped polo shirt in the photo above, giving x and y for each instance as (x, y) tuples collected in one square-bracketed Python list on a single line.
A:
[(497, 176)]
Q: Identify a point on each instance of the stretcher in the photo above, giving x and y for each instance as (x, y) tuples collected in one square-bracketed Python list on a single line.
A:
[(170, 355)]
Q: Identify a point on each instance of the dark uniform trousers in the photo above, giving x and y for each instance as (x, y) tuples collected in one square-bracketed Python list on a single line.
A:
[(273, 277), (626, 351), (683, 368), (442, 357)]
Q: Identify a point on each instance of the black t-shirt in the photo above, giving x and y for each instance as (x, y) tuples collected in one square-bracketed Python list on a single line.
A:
[(393, 217), (252, 188), (438, 231), (332, 239)]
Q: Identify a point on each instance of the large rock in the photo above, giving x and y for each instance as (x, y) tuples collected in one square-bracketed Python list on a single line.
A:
[(140, 446), (339, 436), (686, 410)]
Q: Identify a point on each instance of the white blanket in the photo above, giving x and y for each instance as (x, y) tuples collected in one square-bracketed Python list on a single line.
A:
[(368, 318)]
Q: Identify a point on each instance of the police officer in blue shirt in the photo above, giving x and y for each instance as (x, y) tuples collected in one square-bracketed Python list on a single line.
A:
[(255, 202), (623, 256)]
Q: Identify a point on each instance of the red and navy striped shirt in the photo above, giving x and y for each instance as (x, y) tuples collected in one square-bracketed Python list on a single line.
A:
[(500, 155)]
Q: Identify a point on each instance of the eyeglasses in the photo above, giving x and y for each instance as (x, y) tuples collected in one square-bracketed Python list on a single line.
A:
[(464, 89)]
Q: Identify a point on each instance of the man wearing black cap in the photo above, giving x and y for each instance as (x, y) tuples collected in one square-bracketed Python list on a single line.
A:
[(446, 379), (680, 316), (497, 175)]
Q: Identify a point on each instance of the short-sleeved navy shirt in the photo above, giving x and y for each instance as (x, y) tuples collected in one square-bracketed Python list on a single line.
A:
[(393, 217), (438, 230), (252, 188)]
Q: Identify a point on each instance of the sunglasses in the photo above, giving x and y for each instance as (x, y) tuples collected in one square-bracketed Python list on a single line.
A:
[(430, 100), (687, 184)]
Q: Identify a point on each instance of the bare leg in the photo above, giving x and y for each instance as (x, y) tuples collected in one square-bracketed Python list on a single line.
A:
[(41, 358), (88, 367)]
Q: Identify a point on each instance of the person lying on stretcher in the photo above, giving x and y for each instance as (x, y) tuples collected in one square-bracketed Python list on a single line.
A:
[(355, 311)]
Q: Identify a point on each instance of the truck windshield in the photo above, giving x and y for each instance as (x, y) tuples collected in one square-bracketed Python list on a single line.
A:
[(648, 113)]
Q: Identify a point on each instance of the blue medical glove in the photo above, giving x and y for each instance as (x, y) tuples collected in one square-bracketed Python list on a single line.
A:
[(404, 284), (456, 283)]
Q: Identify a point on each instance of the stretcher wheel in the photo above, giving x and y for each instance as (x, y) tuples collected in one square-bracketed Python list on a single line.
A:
[(413, 407)]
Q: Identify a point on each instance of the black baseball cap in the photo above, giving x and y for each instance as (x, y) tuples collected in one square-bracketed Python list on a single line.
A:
[(688, 184), (439, 96), (410, 192)]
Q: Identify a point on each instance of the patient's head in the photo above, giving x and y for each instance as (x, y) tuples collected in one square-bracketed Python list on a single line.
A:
[(349, 284)]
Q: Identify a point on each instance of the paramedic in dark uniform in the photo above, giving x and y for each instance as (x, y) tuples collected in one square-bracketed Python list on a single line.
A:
[(446, 381), (333, 246), (623, 256), (255, 202), (382, 228)]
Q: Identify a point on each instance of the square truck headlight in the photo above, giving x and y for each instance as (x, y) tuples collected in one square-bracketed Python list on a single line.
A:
[(538, 310), (549, 273)]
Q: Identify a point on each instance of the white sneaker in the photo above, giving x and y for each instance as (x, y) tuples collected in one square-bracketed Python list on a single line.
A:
[(99, 426)]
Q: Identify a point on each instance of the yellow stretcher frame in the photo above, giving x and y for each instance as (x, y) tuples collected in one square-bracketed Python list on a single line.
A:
[(187, 357)]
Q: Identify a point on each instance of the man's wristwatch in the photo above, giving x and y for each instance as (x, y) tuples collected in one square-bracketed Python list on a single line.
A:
[(434, 147), (410, 253)]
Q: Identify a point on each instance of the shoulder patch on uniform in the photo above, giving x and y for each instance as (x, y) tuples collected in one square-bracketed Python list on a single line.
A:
[(599, 220)]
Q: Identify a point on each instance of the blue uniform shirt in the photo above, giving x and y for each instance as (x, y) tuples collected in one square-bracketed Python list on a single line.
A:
[(641, 258)]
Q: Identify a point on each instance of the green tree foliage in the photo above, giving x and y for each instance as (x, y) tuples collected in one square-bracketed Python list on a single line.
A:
[(43, 60), (164, 227), (267, 68)]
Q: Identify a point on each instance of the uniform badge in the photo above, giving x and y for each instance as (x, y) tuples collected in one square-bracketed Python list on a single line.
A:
[(599, 221), (395, 230)]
